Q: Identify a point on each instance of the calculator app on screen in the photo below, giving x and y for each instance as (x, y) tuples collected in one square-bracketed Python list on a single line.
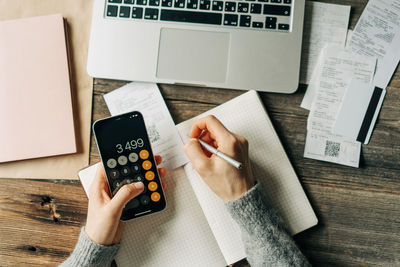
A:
[(127, 157)]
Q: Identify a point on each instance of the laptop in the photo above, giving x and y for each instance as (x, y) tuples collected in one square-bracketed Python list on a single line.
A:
[(243, 44)]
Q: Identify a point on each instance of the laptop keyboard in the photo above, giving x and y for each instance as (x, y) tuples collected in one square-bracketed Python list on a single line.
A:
[(255, 14)]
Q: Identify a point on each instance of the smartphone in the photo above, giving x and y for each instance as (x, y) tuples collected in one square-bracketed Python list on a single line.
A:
[(126, 153)]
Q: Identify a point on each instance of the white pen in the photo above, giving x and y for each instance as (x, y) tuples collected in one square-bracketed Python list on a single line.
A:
[(215, 151)]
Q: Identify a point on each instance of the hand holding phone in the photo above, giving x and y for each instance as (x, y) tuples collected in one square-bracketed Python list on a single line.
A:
[(126, 153), (103, 225)]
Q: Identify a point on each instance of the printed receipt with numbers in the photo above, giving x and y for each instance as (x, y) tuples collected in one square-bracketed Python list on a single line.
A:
[(338, 68)]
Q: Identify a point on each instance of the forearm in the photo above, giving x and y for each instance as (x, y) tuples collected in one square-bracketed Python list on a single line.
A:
[(87, 253), (264, 235)]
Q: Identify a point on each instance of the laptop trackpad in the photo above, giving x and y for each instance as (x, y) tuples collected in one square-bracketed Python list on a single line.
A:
[(190, 55)]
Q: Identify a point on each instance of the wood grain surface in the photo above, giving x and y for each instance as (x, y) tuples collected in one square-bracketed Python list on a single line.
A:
[(358, 209)]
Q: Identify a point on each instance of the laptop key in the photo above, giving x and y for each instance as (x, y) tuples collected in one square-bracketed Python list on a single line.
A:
[(270, 25), (137, 12), (191, 16), (271, 20), (255, 8), (112, 11), (179, 3), (141, 2), (276, 1), (230, 20), (115, 1), (217, 5), (263, 1), (124, 11), (287, 1), (151, 13), (257, 24), (154, 2), (283, 26), (230, 6), (205, 4), (166, 3), (245, 20), (192, 4), (277, 10), (129, 2), (243, 7)]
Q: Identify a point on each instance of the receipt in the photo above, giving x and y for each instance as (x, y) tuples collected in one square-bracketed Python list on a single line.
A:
[(337, 68), (312, 86), (332, 148), (323, 23), (147, 99), (377, 34)]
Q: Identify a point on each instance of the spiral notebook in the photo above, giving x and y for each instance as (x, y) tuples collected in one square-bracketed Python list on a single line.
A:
[(195, 228)]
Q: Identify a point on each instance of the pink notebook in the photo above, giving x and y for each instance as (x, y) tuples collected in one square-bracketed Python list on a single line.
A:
[(36, 116)]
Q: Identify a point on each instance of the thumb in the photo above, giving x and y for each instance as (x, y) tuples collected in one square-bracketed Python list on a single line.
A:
[(125, 194), (196, 155)]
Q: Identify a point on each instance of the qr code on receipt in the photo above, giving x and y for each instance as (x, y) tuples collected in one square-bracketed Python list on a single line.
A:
[(332, 149)]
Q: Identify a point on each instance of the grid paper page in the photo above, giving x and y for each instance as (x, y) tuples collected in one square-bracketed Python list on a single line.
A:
[(246, 116), (225, 230), (177, 236)]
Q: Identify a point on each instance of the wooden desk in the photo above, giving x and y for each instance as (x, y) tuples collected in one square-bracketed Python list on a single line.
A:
[(358, 209)]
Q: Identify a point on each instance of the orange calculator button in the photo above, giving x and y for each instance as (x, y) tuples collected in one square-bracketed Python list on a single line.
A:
[(155, 196), (144, 154), (152, 186), (149, 175), (146, 165)]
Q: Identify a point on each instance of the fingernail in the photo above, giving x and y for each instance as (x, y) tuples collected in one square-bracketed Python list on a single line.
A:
[(139, 185)]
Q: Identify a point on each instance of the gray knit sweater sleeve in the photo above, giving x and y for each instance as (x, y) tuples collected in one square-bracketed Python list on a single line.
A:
[(88, 253), (264, 235)]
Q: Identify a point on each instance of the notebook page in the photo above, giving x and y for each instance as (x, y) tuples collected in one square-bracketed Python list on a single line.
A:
[(245, 115), (224, 228), (177, 236)]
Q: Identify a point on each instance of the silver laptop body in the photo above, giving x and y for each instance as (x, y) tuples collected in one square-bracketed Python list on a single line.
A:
[(176, 42)]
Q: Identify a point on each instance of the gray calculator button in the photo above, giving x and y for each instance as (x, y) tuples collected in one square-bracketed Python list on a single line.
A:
[(133, 157), (139, 178), (122, 160), (125, 171), (114, 174), (116, 184), (145, 199), (111, 163), (136, 168)]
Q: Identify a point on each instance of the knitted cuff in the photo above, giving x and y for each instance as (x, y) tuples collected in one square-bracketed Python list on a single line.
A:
[(247, 209), (89, 253)]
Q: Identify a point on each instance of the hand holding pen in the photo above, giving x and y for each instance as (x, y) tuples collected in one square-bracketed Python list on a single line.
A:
[(222, 161)]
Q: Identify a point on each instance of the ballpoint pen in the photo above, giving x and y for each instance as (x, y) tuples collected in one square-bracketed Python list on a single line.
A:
[(215, 151)]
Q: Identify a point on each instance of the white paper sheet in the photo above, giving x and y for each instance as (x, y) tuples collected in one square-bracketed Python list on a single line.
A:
[(312, 87), (332, 148), (338, 68), (377, 34), (146, 98), (323, 23), (349, 33)]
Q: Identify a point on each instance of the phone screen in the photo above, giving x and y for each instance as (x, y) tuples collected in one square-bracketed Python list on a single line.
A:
[(127, 157)]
